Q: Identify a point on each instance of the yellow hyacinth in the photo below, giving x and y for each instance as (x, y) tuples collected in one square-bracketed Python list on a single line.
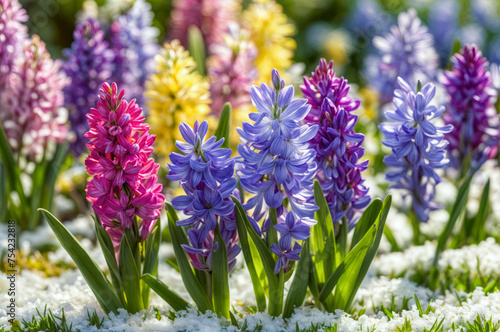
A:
[(176, 93), (271, 32)]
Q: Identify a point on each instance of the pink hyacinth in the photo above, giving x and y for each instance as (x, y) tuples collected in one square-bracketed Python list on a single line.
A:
[(231, 71), (32, 100), (210, 16), (125, 182)]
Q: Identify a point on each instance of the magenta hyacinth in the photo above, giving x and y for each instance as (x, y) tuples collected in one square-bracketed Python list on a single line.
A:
[(471, 108), (13, 32), (337, 145), (32, 101), (210, 16), (124, 184), (231, 71)]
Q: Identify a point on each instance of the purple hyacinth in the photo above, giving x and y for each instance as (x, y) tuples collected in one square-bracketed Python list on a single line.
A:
[(471, 108), (276, 161), (407, 52), (134, 42), (205, 172), (89, 65), (418, 146), (14, 33), (337, 145)]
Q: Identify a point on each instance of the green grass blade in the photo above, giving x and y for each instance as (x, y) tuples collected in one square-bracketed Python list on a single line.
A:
[(251, 263), (130, 276), (298, 289), (89, 269), (457, 210), (197, 48), (224, 128), (192, 284), (165, 292), (220, 279)]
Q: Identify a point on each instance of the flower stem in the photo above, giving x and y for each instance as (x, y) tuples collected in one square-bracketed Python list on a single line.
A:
[(416, 228)]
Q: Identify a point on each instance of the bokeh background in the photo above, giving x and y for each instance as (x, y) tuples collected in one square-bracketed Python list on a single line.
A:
[(341, 30)]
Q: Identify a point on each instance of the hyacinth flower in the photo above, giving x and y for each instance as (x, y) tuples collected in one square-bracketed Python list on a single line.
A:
[(176, 93), (14, 32), (271, 31), (471, 109), (205, 172), (126, 196), (407, 51), (211, 17), (277, 162), (124, 184), (134, 42), (89, 64), (338, 147), (418, 146)]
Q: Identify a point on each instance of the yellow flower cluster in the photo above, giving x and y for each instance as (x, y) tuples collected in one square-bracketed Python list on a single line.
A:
[(176, 93), (271, 32)]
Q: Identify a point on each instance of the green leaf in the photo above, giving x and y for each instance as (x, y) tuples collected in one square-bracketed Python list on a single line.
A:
[(224, 128), (165, 292), (391, 239), (130, 275), (109, 255), (93, 275), (51, 174), (366, 221), (322, 244), (13, 175), (220, 276), (3, 192), (272, 234), (457, 210), (275, 287), (192, 284), (151, 258), (197, 48), (252, 261), (351, 272), (298, 289), (478, 233)]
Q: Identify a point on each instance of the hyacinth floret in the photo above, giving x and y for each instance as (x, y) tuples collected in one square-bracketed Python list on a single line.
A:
[(124, 184), (134, 42), (338, 147), (471, 108), (32, 101), (205, 172), (407, 52), (12, 35), (418, 146), (89, 64)]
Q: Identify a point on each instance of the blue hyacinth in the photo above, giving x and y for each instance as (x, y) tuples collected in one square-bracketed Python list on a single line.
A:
[(276, 162), (205, 172), (134, 42), (89, 64), (407, 52), (418, 146)]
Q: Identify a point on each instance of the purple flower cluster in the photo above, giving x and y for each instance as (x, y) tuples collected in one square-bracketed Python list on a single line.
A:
[(277, 162), (133, 41), (89, 64), (418, 146), (205, 172), (471, 110), (337, 145), (407, 52), (14, 33)]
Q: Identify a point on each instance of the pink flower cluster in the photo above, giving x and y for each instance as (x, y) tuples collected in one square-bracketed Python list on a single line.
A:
[(124, 183), (32, 100)]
